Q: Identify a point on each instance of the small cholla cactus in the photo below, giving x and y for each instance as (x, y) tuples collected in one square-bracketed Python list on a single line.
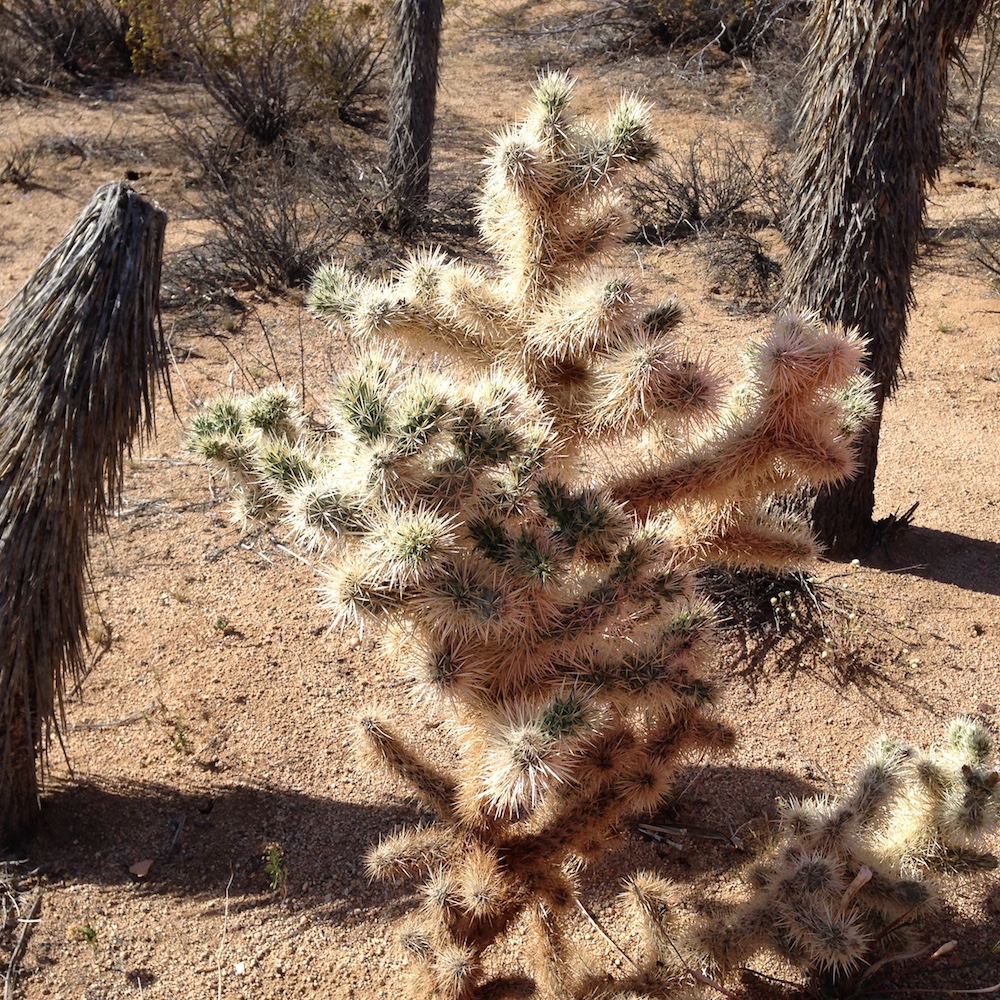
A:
[(261, 442), (951, 802), (543, 604), (836, 896), (825, 902)]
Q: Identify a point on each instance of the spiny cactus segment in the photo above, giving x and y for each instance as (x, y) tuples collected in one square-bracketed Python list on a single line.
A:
[(544, 606), (838, 893), (951, 802)]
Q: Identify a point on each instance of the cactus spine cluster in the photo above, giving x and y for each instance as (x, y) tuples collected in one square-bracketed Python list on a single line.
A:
[(543, 603), (950, 802)]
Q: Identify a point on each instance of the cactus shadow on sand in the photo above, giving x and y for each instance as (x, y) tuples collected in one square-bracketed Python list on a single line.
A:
[(94, 832)]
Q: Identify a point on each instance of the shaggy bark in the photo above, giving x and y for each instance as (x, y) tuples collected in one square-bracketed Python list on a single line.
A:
[(412, 102), (79, 355), (869, 147)]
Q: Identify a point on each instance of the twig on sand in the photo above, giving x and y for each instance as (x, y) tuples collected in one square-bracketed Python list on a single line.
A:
[(10, 979), (125, 720), (222, 939)]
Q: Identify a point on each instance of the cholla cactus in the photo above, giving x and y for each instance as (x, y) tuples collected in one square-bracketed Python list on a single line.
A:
[(261, 443), (548, 612), (951, 802), (837, 895), (826, 902)]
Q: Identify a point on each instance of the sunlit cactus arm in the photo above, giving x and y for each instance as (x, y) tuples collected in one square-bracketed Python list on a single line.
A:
[(449, 307), (359, 403), (558, 966), (744, 539), (276, 412), (546, 177), (262, 443), (550, 119), (784, 424), (647, 386), (625, 140), (410, 853), (606, 370), (586, 319), (654, 901), (972, 807), (970, 742), (878, 780), (334, 293), (524, 752), (217, 434), (482, 321), (285, 468), (374, 311), (323, 511)]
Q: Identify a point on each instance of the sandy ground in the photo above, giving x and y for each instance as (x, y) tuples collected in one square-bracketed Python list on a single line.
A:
[(215, 720)]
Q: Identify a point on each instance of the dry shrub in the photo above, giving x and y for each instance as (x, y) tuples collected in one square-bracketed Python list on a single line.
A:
[(272, 65), (17, 165), (276, 217), (66, 40), (736, 27), (21, 69), (984, 241), (715, 183), (740, 263), (803, 621), (971, 125)]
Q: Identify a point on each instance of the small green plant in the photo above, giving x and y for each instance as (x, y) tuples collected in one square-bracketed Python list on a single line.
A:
[(276, 867), (84, 932), (180, 736)]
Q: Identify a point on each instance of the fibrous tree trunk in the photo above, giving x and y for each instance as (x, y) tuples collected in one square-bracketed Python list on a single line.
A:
[(869, 146), (78, 357), (412, 101)]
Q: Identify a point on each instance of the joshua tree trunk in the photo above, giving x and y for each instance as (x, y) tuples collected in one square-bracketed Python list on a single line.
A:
[(18, 780), (417, 36), (78, 355), (869, 146)]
